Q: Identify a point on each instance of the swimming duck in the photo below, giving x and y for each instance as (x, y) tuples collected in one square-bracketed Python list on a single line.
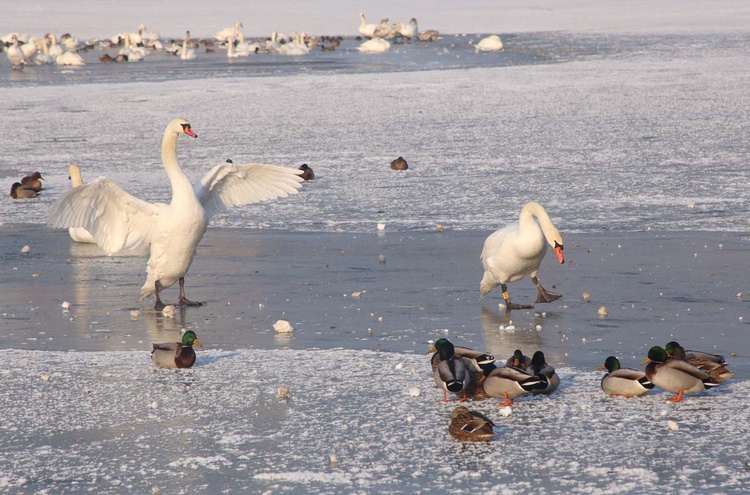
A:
[(307, 172), (470, 426), (176, 354), (539, 366), (450, 373), (675, 375), (510, 383), (626, 382), (20, 191), (517, 250), (34, 181), (707, 363), (399, 164)]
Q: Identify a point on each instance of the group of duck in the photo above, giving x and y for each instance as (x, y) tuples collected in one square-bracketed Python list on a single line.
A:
[(472, 374), (29, 187)]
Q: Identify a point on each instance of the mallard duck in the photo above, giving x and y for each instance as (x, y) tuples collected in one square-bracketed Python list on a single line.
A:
[(176, 354), (450, 374), (20, 191), (509, 383), (518, 360), (399, 164), (470, 426), (307, 172), (675, 375), (711, 364), (539, 366), (34, 181), (473, 360), (626, 382)]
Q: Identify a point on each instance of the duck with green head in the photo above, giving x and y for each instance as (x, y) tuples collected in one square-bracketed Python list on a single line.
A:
[(675, 375), (623, 382), (539, 366), (176, 354), (450, 373), (711, 364)]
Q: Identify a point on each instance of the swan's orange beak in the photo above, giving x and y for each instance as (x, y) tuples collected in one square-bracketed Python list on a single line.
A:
[(559, 253), (187, 130)]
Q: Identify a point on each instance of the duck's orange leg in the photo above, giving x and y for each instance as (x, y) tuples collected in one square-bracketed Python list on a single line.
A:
[(676, 398), (445, 396), (506, 402), (463, 399)]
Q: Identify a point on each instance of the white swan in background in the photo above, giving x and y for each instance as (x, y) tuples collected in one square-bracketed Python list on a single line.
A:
[(78, 234), (15, 54), (148, 36), (118, 220), (517, 250), (30, 48), (366, 29), (296, 47), (8, 38), (231, 52), (44, 57), (383, 30), (273, 44), (491, 43), (375, 45), (70, 43), (55, 50), (408, 30), (230, 32), (187, 53), (131, 50), (70, 58)]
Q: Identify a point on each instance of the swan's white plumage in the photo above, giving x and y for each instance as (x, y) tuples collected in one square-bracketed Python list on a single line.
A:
[(118, 220), (491, 43), (517, 250), (375, 45), (366, 29), (229, 184), (78, 234)]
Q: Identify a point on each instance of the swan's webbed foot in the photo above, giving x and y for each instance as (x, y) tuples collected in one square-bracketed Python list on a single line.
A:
[(546, 296), (159, 305), (187, 302), (184, 301)]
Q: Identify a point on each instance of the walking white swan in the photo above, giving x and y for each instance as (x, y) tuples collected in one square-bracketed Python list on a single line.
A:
[(118, 220), (517, 250)]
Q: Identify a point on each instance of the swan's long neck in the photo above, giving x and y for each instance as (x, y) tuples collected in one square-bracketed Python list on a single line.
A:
[(177, 178), (362, 16), (531, 210), (75, 175)]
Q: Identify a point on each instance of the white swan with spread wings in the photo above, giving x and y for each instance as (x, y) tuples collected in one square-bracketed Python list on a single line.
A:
[(118, 220)]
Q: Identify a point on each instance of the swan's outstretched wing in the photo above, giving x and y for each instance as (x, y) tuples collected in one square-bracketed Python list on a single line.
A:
[(231, 184), (115, 218)]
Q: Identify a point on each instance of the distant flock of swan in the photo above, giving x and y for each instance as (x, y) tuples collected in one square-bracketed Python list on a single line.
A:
[(23, 50)]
